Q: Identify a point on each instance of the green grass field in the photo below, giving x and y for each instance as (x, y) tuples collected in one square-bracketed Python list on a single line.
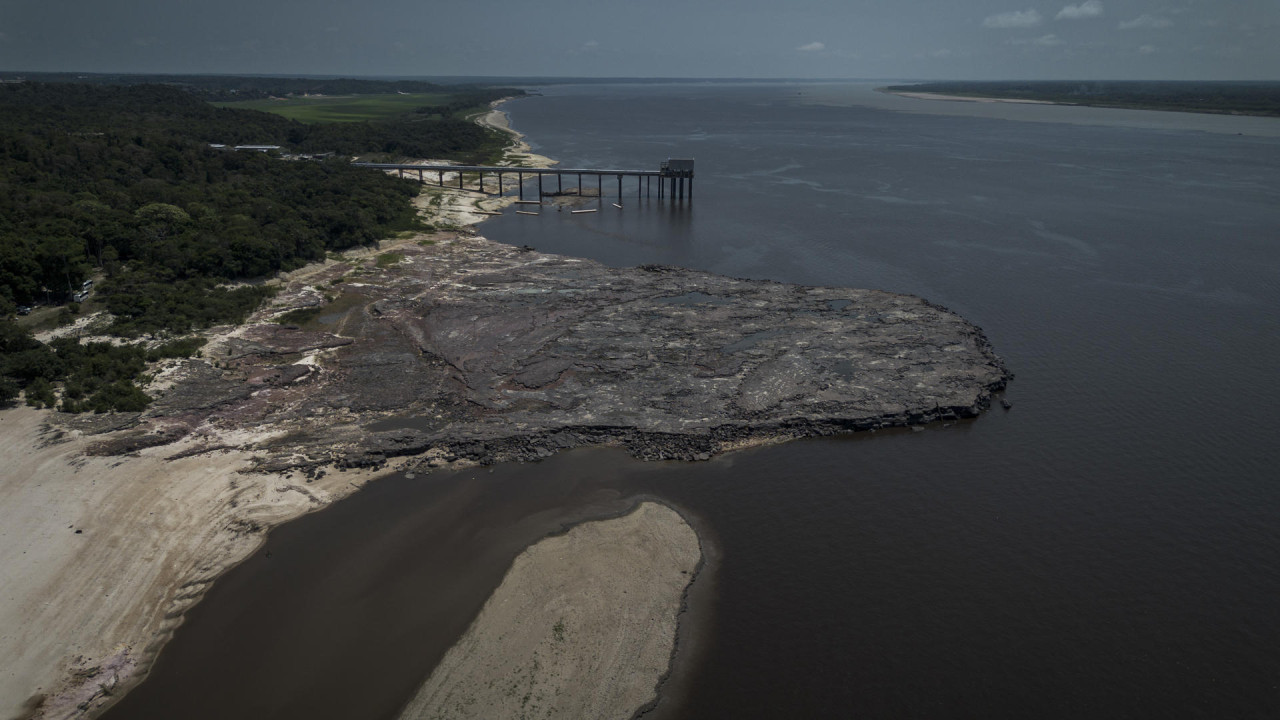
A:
[(343, 108)]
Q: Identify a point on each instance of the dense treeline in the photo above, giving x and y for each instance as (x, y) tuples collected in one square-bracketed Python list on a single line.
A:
[(123, 179), (226, 88), (161, 110), (95, 377), (122, 182), (1236, 98)]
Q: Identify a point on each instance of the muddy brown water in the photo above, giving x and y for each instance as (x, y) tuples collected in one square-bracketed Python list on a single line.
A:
[(343, 613)]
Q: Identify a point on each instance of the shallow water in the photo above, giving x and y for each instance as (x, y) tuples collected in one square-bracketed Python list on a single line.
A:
[(1109, 547)]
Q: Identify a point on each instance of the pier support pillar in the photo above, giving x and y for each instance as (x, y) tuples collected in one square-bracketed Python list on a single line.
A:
[(520, 180), (539, 187)]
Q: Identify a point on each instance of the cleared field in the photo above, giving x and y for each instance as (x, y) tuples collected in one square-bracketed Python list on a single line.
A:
[(343, 108)]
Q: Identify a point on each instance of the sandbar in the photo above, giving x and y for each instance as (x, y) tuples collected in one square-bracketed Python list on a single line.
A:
[(583, 625), (969, 98)]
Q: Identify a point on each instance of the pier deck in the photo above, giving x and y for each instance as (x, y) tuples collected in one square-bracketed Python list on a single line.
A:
[(678, 172)]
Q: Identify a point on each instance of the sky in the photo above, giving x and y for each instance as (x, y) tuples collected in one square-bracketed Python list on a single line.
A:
[(875, 39)]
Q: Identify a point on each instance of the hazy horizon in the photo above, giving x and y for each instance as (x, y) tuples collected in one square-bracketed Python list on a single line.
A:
[(662, 39)]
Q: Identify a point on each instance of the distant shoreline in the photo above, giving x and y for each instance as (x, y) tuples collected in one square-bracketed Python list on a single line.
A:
[(1253, 99), (965, 98)]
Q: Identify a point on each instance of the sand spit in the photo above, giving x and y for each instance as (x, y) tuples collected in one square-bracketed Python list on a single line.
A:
[(100, 556), (583, 626), (970, 98)]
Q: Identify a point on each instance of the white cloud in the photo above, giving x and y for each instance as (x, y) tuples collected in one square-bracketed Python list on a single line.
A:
[(1014, 19), (1049, 40), (590, 45), (1147, 49), (812, 47), (1083, 11), (1146, 21)]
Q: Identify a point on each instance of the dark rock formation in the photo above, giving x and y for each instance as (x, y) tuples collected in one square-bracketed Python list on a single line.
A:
[(472, 349)]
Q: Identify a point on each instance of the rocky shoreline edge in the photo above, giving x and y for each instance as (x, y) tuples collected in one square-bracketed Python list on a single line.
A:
[(460, 349)]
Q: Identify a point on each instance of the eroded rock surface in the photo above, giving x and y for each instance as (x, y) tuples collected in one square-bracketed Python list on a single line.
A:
[(465, 348)]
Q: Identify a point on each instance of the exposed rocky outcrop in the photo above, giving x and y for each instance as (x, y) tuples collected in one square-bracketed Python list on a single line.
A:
[(465, 348)]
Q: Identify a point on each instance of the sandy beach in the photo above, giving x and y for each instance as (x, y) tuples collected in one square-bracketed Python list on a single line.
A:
[(583, 625), (100, 556), (450, 206)]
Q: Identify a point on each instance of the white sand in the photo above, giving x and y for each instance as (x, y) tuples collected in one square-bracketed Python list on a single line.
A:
[(85, 613), (449, 206), (582, 626)]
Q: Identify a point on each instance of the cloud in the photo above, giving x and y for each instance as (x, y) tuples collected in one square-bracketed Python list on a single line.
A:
[(1147, 49), (585, 48), (1049, 40), (1083, 11), (1146, 21), (812, 47), (1014, 19)]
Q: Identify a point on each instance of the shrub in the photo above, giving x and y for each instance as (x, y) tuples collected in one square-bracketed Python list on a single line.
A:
[(40, 394), (180, 348)]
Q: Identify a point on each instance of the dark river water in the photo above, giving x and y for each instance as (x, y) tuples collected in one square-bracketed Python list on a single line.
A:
[(1110, 547)]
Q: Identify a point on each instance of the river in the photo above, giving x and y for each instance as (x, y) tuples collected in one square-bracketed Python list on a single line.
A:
[(1108, 547)]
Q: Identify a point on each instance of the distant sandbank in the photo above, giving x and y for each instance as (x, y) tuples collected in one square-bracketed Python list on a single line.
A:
[(966, 98)]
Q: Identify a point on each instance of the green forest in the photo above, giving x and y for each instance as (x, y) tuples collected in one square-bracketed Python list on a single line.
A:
[(122, 184), (227, 88)]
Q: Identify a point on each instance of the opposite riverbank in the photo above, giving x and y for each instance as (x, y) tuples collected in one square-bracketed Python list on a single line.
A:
[(1261, 99)]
